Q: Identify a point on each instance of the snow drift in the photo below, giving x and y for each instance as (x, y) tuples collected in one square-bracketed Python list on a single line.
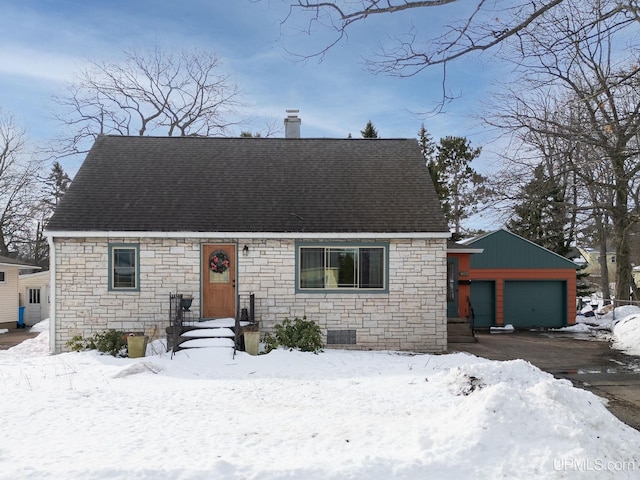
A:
[(335, 415)]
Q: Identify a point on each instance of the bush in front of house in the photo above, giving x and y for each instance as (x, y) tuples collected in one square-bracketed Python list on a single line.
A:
[(113, 342), (302, 334)]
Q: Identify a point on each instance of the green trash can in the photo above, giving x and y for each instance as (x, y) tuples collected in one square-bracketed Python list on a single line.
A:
[(251, 342), (137, 345)]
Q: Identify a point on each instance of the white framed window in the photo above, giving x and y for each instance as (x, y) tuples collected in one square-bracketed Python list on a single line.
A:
[(360, 267), (3, 276), (124, 270), (34, 296)]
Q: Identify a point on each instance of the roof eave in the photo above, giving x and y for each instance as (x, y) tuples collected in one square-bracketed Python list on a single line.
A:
[(465, 250), (292, 235), (22, 266)]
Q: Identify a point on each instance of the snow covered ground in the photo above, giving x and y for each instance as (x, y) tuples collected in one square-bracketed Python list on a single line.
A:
[(627, 334), (292, 415), (623, 323)]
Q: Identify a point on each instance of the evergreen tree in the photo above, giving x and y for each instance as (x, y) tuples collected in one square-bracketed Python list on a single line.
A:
[(541, 213), (369, 131), (56, 184), (427, 145), (584, 287), (459, 186), (428, 148)]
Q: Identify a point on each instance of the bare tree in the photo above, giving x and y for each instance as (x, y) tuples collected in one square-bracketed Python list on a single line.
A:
[(597, 181), (18, 182), (577, 87), (151, 91), (484, 25)]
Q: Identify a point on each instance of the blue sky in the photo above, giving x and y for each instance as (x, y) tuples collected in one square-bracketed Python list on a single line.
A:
[(44, 42)]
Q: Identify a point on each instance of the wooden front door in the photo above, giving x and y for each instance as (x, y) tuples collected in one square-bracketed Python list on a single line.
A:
[(218, 281)]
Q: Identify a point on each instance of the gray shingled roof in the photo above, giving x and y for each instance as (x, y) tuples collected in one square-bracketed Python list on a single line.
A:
[(12, 261), (190, 184)]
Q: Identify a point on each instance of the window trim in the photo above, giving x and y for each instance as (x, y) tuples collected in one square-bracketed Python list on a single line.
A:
[(362, 244), (3, 280), (32, 295), (131, 246)]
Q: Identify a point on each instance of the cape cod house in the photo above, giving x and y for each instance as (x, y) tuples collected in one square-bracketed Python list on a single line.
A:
[(348, 233)]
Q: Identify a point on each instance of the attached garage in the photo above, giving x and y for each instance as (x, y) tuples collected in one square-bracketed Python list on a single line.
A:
[(535, 303), (516, 282)]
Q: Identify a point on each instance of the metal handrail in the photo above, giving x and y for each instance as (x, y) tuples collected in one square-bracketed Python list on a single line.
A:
[(236, 330), (471, 316), (177, 315), (175, 320), (243, 315)]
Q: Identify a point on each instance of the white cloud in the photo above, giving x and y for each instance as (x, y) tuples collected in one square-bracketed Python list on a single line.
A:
[(37, 64)]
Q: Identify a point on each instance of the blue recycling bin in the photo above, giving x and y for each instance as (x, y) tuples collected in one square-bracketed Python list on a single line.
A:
[(20, 322)]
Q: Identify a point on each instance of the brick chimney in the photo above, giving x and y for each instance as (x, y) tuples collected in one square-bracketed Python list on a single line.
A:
[(292, 124)]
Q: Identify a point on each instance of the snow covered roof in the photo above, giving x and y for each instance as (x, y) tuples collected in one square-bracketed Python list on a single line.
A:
[(461, 248)]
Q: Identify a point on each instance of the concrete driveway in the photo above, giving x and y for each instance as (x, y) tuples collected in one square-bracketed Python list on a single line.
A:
[(14, 337), (587, 361)]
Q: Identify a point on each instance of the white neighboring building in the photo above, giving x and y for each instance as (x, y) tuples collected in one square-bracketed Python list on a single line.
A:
[(34, 296), (9, 298)]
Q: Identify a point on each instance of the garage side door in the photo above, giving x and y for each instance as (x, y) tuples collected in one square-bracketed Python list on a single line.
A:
[(483, 302), (33, 305), (535, 303)]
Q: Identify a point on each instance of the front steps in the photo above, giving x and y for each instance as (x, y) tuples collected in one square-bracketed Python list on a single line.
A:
[(196, 337), (459, 331), (218, 333)]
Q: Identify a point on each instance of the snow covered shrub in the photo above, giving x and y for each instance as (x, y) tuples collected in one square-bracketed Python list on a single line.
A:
[(303, 335), (77, 343), (113, 342)]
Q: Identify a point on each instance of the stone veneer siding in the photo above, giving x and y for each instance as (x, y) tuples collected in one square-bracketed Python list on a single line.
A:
[(411, 316)]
